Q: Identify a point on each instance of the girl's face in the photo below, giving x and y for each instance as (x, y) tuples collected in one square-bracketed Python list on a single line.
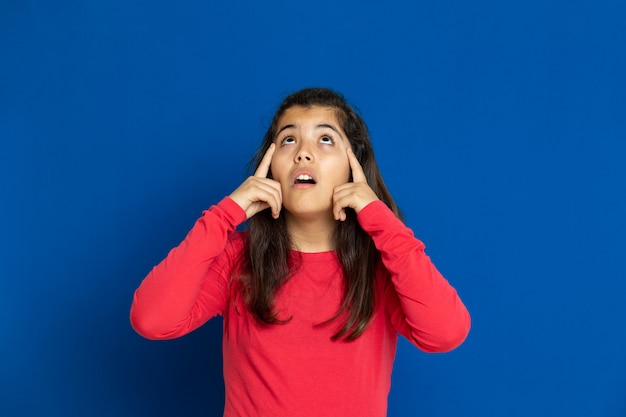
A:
[(310, 160)]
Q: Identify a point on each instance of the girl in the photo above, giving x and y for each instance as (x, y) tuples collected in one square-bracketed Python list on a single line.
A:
[(315, 292)]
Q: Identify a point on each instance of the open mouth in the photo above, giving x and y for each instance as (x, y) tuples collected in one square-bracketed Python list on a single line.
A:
[(304, 179)]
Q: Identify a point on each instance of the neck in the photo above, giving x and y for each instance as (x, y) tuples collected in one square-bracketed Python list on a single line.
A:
[(311, 235)]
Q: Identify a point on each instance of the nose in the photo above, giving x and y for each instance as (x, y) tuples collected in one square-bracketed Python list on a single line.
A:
[(303, 154)]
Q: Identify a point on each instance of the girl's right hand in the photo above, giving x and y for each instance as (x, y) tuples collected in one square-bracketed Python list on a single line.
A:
[(258, 192)]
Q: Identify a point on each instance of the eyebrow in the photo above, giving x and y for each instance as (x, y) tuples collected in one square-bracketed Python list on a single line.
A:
[(322, 125)]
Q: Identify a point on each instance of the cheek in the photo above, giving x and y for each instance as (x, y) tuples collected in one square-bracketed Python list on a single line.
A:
[(279, 173), (343, 172), (276, 167)]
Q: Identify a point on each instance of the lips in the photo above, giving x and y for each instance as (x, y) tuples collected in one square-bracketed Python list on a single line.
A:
[(303, 178)]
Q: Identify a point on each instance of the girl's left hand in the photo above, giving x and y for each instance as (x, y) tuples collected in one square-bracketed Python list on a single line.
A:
[(356, 194)]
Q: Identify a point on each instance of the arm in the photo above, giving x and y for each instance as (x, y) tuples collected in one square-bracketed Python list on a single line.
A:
[(191, 285), (185, 290), (421, 304)]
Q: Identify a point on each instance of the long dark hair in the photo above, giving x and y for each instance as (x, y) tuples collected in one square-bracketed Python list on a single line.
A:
[(267, 264)]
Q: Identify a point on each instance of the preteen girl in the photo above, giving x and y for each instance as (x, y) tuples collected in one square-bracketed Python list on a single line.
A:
[(316, 290)]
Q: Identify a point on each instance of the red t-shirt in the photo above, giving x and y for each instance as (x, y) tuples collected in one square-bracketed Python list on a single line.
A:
[(295, 369)]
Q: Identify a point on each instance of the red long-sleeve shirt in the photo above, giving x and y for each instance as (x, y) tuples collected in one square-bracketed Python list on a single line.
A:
[(295, 369)]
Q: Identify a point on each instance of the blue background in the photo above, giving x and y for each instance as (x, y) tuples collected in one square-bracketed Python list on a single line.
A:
[(500, 128)]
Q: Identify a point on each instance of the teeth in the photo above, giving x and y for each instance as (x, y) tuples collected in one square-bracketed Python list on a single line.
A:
[(304, 177)]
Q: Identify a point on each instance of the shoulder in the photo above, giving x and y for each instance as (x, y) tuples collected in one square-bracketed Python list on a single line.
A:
[(382, 277), (230, 259), (236, 243)]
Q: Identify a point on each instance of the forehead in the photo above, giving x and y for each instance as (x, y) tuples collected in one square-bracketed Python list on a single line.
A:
[(313, 115)]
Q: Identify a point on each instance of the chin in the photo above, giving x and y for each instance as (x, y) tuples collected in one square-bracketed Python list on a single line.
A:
[(309, 212)]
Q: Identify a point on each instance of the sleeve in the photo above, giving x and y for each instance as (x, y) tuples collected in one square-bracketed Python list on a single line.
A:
[(186, 288), (421, 304)]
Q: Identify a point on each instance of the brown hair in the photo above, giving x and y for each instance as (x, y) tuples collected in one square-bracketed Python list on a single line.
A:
[(267, 264)]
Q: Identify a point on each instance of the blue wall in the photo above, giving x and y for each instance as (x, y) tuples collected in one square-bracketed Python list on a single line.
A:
[(500, 128)]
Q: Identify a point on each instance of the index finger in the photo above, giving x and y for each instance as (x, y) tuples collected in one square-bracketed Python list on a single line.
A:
[(264, 165), (357, 171)]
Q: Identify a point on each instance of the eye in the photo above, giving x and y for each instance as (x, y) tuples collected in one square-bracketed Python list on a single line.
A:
[(327, 140), (287, 141)]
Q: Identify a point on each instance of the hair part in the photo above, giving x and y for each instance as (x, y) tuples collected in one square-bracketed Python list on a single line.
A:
[(267, 265)]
